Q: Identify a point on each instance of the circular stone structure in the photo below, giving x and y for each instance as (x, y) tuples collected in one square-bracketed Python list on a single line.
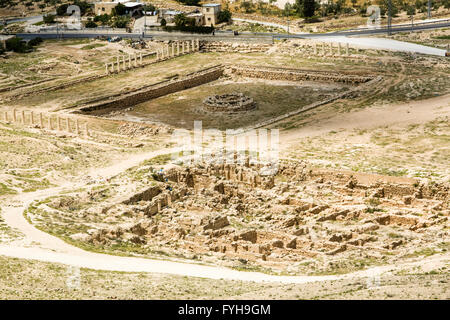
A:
[(231, 102)]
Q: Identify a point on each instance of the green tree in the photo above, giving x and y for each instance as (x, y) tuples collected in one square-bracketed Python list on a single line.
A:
[(119, 10), (180, 20), (163, 22), (224, 16), (309, 8), (90, 24), (49, 18), (190, 2), (410, 11)]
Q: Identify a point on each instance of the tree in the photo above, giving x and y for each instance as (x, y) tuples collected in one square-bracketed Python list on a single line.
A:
[(119, 10), (90, 24), (49, 18), (309, 8), (224, 16), (180, 20), (163, 22), (62, 9), (190, 2), (410, 11), (103, 18)]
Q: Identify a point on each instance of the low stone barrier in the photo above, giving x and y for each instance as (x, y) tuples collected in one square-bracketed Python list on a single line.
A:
[(269, 73), (154, 91), (222, 46)]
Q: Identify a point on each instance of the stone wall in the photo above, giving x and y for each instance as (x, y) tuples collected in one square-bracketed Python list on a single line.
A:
[(285, 74), (155, 91), (221, 46)]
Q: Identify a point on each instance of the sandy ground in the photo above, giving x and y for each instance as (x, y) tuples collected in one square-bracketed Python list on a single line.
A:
[(401, 114)]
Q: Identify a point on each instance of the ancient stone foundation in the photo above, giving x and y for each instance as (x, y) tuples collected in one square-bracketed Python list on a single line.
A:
[(233, 102)]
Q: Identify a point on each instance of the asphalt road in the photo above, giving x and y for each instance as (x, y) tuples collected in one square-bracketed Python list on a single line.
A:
[(228, 36)]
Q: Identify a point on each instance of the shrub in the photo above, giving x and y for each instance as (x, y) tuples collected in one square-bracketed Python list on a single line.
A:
[(191, 29), (90, 24), (17, 45), (35, 41), (190, 2), (224, 16), (49, 18)]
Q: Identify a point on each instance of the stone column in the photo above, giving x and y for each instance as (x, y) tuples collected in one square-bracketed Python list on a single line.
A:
[(178, 48), (182, 48), (129, 61), (58, 122), (77, 126), (135, 60), (86, 130), (106, 68), (173, 49), (41, 121), (193, 45), (32, 117), (23, 117), (188, 48), (339, 48), (315, 48), (124, 63), (323, 48), (14, 115), (68, 124), (347, 51), (168, 51), (50, 122), (6, 116), (118, 64), (331, 48), (198, 44), (140, 58)]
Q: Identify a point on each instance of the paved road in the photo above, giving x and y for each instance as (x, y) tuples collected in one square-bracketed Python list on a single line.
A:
[(386, 44)]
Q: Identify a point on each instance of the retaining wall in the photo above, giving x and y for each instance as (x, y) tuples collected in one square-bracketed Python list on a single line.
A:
[(155, 91), (269, 73)]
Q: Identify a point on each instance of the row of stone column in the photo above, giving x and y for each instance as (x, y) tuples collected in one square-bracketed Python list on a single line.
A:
[(181, 47), (122, 63), (62, 124), (329, 48)]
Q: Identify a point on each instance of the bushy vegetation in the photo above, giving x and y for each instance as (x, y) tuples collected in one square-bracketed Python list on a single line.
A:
[(189, 28), (84, 6), (20, 46), (49, 18), (190, 2), (311, 10), (224, 16)]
